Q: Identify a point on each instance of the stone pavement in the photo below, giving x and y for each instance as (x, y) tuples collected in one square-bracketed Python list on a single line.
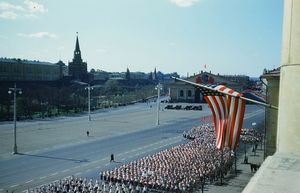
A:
[(236, 183), (42, 135)]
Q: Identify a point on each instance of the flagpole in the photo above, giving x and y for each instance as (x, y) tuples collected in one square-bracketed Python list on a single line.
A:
[(222, 166), (235, 170), (241, 97)]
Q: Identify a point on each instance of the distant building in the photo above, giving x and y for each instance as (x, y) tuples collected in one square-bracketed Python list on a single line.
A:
[(183, 92), (117, 75), (100, 75), (78, 68), (138, 75), (271, 79), (28, 70)]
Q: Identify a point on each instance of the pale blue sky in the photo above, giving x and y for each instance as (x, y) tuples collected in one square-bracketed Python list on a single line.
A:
[(229, 36)]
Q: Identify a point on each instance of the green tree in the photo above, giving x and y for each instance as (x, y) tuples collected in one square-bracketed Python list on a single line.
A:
[(112, 87), (127, 75)]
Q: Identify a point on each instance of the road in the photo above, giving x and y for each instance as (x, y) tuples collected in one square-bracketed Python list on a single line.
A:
[(89, 155)]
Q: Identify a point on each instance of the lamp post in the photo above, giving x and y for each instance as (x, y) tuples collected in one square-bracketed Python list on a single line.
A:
[(89, 100), (253, 124), (254, 138), (158, 88), (89, 88), (245, 150), (15, 90)]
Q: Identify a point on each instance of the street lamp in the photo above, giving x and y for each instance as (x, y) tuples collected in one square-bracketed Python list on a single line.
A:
[(245, 150), (254, 138), (158, 88), (89, 99), (15, 90), (89, 88), (253, 124)]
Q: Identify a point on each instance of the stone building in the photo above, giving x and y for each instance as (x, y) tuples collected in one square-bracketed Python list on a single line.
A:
[(31, 70), (78, 68), (271, 81), (183, 92)]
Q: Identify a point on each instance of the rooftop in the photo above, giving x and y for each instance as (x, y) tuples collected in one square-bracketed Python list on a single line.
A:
[(24, 61)]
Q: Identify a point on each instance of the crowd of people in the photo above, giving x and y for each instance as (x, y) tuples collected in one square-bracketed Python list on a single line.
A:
[(80, 185), (182, 168), (72, 185), (179, 169), (249, 135)]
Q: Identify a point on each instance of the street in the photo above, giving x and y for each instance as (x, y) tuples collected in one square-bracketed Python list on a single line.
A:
[(52, 149)]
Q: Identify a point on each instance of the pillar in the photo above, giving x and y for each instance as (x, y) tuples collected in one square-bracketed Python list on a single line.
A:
[(288, 138)]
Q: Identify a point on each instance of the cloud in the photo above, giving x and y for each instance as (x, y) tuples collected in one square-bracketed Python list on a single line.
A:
[(38, 35), (8, 15), (9, 6), (29, 9), (184, 3), (34, 7)]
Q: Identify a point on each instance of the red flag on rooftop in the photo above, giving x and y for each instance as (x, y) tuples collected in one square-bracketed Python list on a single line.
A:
[(228, 114)]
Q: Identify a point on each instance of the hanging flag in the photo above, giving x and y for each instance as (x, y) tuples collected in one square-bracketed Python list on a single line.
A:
[(228, 108), (228, 114)]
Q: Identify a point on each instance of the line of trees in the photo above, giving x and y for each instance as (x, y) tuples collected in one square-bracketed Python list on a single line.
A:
[(39, 101)]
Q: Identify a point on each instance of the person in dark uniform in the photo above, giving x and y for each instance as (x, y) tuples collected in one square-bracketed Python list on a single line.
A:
[(112, 158), (88, 133), (246, 160)]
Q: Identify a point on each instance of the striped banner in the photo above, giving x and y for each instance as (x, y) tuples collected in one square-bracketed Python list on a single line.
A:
[(228, 115)]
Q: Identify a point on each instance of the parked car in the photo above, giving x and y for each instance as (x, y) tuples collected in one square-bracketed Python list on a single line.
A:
[(188, 107), (198, 108), (169, 107), (177, 107)]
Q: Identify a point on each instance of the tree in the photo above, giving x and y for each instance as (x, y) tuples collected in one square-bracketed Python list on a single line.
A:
[(111, 86), (155, 75), (127, 75), (150, 77)]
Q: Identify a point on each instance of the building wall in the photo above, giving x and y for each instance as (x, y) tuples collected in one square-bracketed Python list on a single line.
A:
[(288, 138), (24, 70), (182, 93), (78, 69), (280, 172), (271, 114), (179, 91)]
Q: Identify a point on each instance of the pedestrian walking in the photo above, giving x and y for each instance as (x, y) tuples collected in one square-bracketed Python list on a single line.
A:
[(88, 133), (112, 158)]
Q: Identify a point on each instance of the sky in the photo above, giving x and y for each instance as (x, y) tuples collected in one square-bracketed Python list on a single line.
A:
[(231, 37)]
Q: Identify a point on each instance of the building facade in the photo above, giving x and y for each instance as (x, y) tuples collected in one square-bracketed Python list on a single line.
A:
[(183, 92), (28, 70), (271, 80)]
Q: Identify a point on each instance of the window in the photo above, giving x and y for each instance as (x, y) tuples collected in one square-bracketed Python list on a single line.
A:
[(181, 93), (189, 93)]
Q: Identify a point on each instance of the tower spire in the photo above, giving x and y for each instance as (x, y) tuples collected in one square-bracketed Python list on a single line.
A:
[(77, 44), (77, 52), (78, 68)]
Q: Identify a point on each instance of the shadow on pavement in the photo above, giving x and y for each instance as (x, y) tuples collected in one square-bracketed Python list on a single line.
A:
[(58, 158)]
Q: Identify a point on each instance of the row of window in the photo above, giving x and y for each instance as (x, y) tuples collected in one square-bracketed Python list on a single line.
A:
[(11, 71), (181, 93)]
